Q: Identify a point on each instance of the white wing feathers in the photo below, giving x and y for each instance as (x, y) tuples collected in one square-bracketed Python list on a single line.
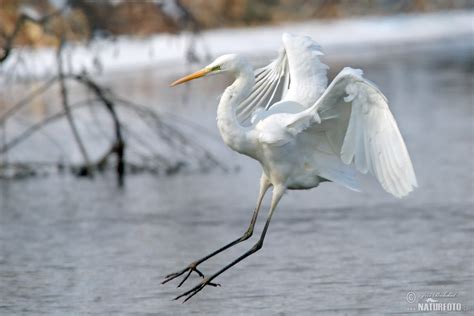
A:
[(296, 74), (352, 120), (360, 127), (308, 74), (271, 84)]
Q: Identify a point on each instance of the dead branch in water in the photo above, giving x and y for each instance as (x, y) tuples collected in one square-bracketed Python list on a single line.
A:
[(64, 97), (148, 116), (169, 135), (119, 145), (36, 127), (98, 165)]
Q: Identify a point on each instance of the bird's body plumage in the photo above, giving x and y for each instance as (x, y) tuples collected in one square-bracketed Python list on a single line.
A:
[(304, 132)]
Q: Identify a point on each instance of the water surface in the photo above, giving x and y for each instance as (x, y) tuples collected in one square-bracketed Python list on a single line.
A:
[(77, 247)]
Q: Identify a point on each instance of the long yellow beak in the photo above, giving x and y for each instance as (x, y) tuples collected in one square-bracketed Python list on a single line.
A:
[(197, 74)]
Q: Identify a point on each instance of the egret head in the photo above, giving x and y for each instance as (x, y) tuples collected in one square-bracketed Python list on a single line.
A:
[(224, 63)]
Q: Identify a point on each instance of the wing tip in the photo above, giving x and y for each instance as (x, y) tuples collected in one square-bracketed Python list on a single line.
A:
[(352, 71), (401, 192), (306, 41)]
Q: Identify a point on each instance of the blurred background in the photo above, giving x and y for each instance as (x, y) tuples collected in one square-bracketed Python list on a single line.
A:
[(109, 179)]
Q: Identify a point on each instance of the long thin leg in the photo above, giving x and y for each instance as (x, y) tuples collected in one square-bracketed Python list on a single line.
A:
[(264, 185), (277, 194)]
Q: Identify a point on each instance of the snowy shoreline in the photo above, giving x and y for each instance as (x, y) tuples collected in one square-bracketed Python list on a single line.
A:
[(337, 37)]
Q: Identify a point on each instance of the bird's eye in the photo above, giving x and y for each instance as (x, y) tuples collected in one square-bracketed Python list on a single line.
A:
[(215, 68)]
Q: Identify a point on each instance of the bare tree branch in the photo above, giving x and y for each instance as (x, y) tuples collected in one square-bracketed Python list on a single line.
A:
[(67, 110), (119, 146)]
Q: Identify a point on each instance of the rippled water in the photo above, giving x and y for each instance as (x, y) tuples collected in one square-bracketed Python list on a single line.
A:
[(80, 247)]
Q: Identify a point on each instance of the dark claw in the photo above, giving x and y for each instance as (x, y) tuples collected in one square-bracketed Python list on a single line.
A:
[(189, 273), (172, 276), (196, 290), (190, 268), (199, 272), (214, 284)]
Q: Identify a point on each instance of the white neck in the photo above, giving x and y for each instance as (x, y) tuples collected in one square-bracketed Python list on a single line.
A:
[(233, 133)]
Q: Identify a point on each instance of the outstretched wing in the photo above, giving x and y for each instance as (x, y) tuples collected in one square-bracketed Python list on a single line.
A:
[(296, 74), (360, 128), (352, 121), (271, 84)]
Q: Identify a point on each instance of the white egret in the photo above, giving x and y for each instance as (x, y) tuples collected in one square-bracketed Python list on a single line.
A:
[(304, 132)]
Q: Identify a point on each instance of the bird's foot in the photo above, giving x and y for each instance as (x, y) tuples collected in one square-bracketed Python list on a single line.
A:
[(192, 267), (197, 289)]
